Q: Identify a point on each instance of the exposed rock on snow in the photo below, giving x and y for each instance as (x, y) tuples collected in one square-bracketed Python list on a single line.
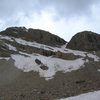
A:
[(38, 61), (44, 67)]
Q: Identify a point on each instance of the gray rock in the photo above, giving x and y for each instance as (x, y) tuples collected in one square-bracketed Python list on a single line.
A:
[(36, 35), (38, 61), (44, 67), (85, 41)]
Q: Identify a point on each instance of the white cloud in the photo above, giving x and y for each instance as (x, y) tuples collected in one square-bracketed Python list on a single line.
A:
[(61, 17)]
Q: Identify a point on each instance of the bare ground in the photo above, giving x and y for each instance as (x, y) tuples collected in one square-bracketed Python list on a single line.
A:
[(18, 85)]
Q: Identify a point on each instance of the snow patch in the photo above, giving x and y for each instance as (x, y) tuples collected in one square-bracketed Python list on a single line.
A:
[(55, 49), (87, 96), (27, 63), (98, 70), (93, 56), (6, 58), (62, 49), (11, 47), (6, 38)]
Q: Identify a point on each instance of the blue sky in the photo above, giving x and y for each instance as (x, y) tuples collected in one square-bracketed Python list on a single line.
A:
[(61, 17)]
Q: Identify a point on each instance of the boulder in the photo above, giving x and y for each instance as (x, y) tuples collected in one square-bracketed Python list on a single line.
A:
[(44, 67), (38, 61)]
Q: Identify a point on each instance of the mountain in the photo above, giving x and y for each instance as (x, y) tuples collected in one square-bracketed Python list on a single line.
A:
[(36, 35), (85, 41), (37, 65)]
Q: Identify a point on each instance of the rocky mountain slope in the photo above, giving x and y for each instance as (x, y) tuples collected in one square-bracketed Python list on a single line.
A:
[(36, 35), (85, 41), (33, 61)]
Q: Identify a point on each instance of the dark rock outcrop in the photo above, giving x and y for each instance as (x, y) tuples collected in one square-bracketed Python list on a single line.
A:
[(38, 61), (44, 67), (36, 35), (85, 41)]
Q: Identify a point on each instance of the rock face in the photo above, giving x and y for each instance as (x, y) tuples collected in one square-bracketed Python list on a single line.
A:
[(19, 39), (37, 35), (85, 41), (38, 61)]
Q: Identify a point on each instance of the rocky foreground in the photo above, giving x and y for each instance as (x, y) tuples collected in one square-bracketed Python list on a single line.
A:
[(18, 85)]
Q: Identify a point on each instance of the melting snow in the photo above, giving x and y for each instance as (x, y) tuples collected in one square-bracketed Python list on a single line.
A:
[(87, 96), (55, 49), (6, 37), (11, 47), (46, 47), (6, 58), (93, 56), (27, 63), (50, 48), (98, 70)]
